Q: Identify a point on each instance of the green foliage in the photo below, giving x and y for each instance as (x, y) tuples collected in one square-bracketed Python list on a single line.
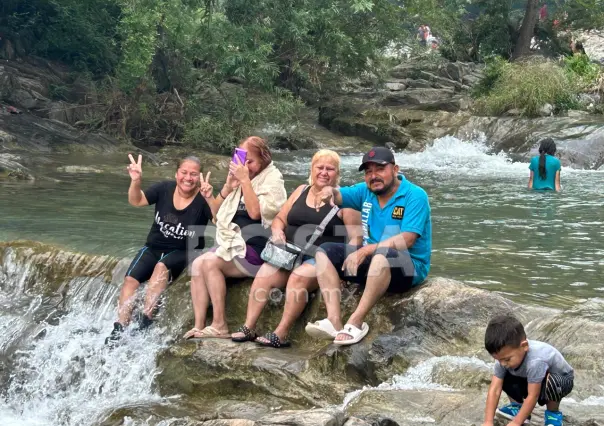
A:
[(312, 42), (493, 71), (58, 92), (235, 113), (79, 32), (225, 50), (581, 14), (530, 85), (270, 48), (527, 86), (477, 29), (495, 28), (468, 29), (139, 30), (583, 69), (445, 18)]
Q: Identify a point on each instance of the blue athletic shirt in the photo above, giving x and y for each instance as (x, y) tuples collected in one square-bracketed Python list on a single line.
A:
[(552, 165), (407, 211)]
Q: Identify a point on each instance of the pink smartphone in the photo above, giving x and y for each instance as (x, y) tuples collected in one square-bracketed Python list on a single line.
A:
[(241, 154)]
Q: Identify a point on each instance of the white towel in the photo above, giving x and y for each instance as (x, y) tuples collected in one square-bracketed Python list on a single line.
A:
[(270, 190)]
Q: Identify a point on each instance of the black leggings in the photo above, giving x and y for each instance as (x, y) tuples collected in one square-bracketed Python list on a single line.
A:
[(144, 262)]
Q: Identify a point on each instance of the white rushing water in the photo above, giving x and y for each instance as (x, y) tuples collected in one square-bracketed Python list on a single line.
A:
[(421, 376), (447, 155), (67, 376), (452, 155)]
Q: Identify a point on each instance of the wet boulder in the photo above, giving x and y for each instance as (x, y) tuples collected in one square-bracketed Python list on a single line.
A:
[(324, 417), (294, 142), (441, 317), (11, 168)]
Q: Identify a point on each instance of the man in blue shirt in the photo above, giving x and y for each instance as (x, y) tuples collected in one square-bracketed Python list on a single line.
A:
[(397, 243)]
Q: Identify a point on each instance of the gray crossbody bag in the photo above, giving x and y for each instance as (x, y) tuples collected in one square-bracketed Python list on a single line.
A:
[(289, 256)]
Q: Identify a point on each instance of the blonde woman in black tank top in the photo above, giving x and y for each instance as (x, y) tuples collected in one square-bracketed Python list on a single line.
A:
[(296, 222)]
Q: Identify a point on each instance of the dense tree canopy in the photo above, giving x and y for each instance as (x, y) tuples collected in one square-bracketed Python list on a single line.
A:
[(291, 42), (80, 32), (479, 29), (232, 63)]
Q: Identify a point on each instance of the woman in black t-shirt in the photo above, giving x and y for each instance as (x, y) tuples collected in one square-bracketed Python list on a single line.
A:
[(295, 223), (244, 209), (180, 212)]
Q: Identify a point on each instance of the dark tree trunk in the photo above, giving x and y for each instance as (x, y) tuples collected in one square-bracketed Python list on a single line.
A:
[(527, 29)]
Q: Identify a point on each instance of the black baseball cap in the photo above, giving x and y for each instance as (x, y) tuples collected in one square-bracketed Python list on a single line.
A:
[(378, 155)]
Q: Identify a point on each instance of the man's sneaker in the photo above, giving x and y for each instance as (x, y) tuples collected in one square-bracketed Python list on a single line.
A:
[(116, 334), (510, 411), (553, 418)]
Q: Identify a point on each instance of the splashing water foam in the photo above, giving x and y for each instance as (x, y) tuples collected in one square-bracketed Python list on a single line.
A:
[(68, 377), (447, 155), (452, 155), (420, 377)]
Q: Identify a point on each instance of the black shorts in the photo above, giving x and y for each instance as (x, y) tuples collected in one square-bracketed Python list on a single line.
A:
[(144, 262), (402, 270), (553, 388)]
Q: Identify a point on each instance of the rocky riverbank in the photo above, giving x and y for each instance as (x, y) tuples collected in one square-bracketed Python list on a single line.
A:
[(416, 104), (422, 363)]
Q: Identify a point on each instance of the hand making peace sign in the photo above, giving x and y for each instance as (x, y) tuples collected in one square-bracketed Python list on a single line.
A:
[(205, 189), (135, 168)]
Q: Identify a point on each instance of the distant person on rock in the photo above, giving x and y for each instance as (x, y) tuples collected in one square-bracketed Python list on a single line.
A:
[(545, 168), (296, 223), (180, 207), (577, 48), (528, 371), (397, 242), (427, 33), (421, 34), (543, 12), (424, 35)]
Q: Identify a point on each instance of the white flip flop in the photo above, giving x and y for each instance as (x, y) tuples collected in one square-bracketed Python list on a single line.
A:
[(322, 329), (353, 331)]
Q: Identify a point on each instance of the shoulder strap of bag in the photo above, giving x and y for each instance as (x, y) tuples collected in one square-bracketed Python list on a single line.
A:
[(318, 232), (321, 228)]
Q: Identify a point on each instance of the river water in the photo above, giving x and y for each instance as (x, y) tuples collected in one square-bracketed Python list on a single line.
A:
[(539, 248)]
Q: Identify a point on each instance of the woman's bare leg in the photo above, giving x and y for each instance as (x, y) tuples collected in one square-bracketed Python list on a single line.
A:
[(267, 278)]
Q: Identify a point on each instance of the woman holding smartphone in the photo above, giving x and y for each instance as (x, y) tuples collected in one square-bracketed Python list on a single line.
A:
[(296, 222), (244, 209)]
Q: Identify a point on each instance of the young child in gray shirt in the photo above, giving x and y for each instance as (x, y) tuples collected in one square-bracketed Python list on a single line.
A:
[(528, 371)]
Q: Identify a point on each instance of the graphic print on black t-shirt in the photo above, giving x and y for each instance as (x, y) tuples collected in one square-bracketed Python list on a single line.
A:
[(171, 227)]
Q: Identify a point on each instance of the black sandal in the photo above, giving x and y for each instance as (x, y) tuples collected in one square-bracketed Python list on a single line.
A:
[(248, 335), (274, 341)]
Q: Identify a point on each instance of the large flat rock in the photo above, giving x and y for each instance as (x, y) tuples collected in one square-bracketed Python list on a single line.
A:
[(452, 408), (423, 361)]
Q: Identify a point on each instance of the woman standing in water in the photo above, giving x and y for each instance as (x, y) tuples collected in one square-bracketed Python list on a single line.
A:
[(545, 168)]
